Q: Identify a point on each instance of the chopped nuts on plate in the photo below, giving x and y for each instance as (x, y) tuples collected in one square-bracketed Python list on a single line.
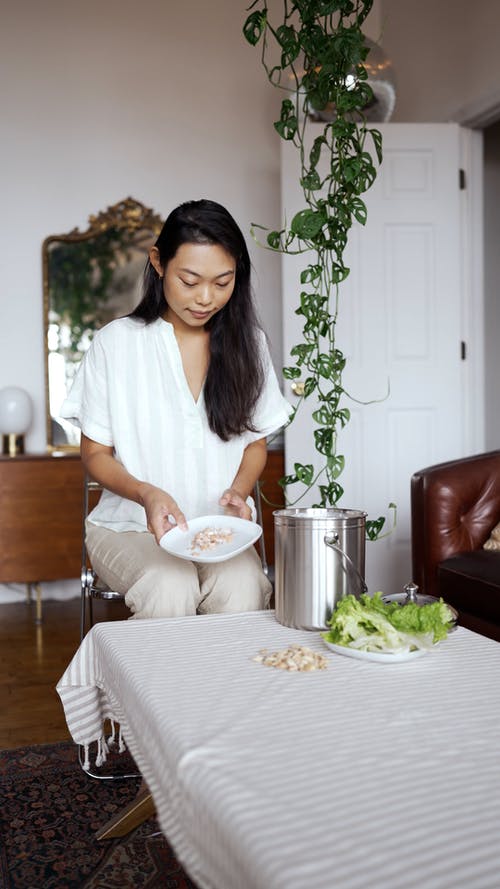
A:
[(209, 538), (212, 538)]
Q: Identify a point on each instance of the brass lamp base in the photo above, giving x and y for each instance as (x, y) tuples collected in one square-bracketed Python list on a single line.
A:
[(12, 445)]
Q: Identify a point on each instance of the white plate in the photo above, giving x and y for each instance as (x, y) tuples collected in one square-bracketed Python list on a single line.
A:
[(382, 657), (179, 543)]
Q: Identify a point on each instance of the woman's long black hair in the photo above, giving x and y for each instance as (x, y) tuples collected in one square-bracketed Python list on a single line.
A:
[(235, 374)]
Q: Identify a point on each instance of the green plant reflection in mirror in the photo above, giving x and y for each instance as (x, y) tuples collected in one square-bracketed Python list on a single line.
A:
[(90, 277)]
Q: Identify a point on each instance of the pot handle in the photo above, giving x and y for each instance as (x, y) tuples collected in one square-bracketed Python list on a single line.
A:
[(332, 542)]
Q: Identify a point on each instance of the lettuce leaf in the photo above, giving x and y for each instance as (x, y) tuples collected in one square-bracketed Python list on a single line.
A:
[(370, 624)]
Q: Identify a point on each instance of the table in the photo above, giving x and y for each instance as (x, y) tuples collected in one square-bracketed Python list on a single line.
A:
[(361, 776)]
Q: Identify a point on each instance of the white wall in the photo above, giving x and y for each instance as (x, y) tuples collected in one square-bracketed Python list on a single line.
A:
[(165, 101), (445, 54), (100, 100)]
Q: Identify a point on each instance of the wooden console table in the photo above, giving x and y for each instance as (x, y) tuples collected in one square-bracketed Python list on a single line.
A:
[(41, 498), (41, 502)]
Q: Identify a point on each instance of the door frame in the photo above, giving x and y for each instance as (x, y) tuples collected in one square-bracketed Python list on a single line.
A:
[(472, 296)]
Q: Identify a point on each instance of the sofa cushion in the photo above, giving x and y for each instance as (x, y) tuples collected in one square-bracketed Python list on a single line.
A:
[(471, 582)]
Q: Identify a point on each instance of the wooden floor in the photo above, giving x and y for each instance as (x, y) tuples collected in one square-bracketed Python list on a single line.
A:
[(32, 660)]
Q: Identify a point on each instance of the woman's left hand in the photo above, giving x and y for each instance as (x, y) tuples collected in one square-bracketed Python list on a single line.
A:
[(235, 504)]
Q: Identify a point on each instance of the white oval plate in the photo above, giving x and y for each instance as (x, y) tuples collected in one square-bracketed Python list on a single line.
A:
[(382, 657), (178, 543)]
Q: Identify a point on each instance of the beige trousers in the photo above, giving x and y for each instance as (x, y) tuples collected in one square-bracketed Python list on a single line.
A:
[(156, 584)]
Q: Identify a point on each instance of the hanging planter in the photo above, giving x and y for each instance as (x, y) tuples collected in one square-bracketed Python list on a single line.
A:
[(314, 52)]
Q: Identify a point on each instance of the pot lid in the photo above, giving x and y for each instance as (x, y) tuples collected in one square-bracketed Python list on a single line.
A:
[(410, 594)]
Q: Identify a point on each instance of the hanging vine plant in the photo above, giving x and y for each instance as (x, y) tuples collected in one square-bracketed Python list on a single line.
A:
[(319, 50)]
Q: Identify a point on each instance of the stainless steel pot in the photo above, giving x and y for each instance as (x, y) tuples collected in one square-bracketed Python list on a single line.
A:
[(319, 558)]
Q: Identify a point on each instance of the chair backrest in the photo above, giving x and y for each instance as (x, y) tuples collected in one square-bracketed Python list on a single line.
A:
[(91, 586), (260, 520), (91, 492), (454, 506)]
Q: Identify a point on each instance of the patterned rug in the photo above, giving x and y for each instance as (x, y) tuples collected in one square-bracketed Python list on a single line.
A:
[(49, 811)]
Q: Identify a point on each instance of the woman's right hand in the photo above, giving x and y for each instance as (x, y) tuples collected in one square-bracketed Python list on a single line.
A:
[(162, 512)]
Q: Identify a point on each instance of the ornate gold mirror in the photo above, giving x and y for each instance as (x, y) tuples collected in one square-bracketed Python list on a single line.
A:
[(89, 278)]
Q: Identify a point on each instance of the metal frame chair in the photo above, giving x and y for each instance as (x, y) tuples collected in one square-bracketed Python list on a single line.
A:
[(267, 569), (91, 587)]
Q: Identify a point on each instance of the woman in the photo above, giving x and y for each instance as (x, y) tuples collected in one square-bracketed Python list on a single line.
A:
[(175, 402)]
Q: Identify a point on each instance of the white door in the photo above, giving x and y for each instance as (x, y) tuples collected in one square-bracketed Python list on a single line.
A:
[(401, 325)]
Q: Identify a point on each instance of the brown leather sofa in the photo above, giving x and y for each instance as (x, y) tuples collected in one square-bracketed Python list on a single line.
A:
[(454, 507)]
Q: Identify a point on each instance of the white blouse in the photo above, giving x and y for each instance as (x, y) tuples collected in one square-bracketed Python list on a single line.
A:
[(131, 393)]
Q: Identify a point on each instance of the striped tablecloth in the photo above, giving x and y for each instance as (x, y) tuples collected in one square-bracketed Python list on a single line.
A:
[(362, 776)]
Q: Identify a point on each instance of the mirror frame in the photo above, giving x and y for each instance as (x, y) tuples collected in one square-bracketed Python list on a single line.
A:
[(127, 215)]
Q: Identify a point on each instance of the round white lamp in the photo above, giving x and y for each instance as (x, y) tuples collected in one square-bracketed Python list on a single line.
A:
[(16, 413)]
